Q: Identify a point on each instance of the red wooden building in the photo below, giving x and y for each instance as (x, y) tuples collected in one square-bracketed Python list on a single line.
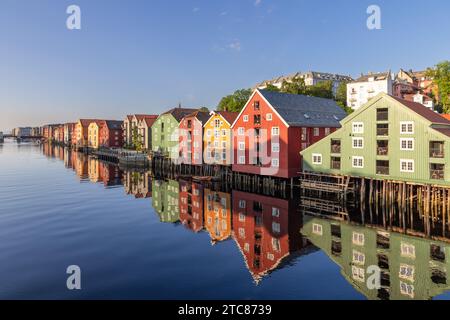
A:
[(191, 205), (191, 137), (274, 127), (111, 134), (266, 230)]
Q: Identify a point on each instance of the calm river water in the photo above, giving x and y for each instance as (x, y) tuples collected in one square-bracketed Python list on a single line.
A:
[(135, 237)]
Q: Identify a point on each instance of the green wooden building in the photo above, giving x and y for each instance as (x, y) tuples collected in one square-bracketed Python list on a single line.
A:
[(411, 267), (165, 200), (387, 138), (165, 136)]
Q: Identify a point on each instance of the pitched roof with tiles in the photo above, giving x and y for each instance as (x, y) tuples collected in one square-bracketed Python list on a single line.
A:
[(179, 113), (141, 117), (423, 111), (305, 111), (114, 124), (376, 76), (228, 115), (202, 116), (87, 122)]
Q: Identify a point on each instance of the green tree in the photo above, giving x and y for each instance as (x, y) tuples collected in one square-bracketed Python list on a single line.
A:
[(323, 89), (296, 86), (236, 101), (136, 139), (271, 87), (204, 109), (441, 76)]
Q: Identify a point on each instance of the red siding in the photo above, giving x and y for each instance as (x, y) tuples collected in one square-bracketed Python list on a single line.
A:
[(191, 144), (110, 138), (191, 205)]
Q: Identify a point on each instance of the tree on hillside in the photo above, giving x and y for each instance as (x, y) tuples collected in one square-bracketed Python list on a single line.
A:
[(271, 87), (296, 86), (236, 101), (441, 76), (323, 89), (341, 97)]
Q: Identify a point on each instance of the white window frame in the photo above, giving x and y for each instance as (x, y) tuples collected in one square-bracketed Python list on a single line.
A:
[(277, 145), (406, 123), (241, 159), (241, 146), (242, 204), (269, 117), (245, 118), (358, 139), (407, 161), (316, 132), (407, 250), (317, 229), (275, 212), (358, 127), (275, 131), (358, 238), (406, 140), (317, 156), (241, 131), (357, 158), (358, 257), (275, 162)]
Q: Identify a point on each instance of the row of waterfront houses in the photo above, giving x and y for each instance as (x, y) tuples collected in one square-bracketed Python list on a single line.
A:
[(279, 134)]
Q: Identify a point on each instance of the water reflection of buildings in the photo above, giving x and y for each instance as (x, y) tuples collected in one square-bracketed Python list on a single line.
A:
[(165, 200), (266, 231), (411, 267), (217, 207), (191, 205), (138, 184)]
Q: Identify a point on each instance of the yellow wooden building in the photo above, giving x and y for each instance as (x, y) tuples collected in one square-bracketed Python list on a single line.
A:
[(217, 138)]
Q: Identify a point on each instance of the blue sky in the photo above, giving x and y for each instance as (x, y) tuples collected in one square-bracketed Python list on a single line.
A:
[(145, 56)]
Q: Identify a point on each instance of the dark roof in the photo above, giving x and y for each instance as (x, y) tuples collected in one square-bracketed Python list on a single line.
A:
[(423, 111), (305, 111), (228, 115), (114, 124), (443, 131), (180, 113), (376, 76), (202, 116)]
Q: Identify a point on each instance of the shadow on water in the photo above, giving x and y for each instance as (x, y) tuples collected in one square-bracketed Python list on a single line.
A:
[(411, 251)]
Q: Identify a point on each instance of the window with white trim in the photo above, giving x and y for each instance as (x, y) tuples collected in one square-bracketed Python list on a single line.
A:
[(316, 132), (358, 274), (208, 132), (317, 158), (275, 131), (241, 217), (406, 165), (269, 117), (407, 144), (358, 257), (358, 162), (245, 118), (317, 229), (407, 289), (241, 131), (358, 127), (406, 127), (407, 250), (358, 238), (275, 162), (241, 145), (276, 227), (406, 272), (275, 147), (275, 212), (241, 159), (358, 143)]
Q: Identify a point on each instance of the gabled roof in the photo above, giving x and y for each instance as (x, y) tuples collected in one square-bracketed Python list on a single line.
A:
[(423, 111), (141, 117), (87, 122), (201, 116), (179, 113), (149, 121), (305, 111), (376, 76), (228, 115), (130, 117), (114, 124)]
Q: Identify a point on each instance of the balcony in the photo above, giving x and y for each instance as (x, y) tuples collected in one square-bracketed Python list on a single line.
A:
[(437, 171), (436, 149), (382, 114), (336, 146), (382, 130), (382, 148), (382, 167)]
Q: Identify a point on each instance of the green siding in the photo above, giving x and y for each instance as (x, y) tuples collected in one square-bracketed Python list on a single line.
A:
[(422, 262), (166, 141), (423, 134), (165, 196)]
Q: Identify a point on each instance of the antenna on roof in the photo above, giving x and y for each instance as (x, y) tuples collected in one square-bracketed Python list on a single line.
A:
[(179, 105)]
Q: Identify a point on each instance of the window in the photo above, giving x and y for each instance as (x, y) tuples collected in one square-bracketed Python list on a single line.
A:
[(270, 256), (317, 229), (406, 272), (275, 147), (241, 232), (242, 204), (358, 274), (208, 133), (406, 165), (382, 129), (358, 143), (407, 250), (316, 132), (245, 118), (247, 247), (241, 217), (216, 133), (335, 163), (275, 163), (276, 245), (275, 212), (407, 144), (242, 160), (382, 167), (275, 227), (406, 127), (357, 162), (327, 131), (437, 171), (357, 127), (275, 131), (358, 257), (241, 131), (269, 117), (241, 145), (217, 123), (317, 158), (358, 238), (407, 289), (256, 105), (382, 114), (224, 132)]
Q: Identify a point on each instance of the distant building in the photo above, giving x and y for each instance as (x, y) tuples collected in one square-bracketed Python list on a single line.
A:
[(68, 132), (191, 137), (82, 132), (414, 86), (420, 98), (311, 78), (139, 124), (21, 132), (2, 139), (368, 86)]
